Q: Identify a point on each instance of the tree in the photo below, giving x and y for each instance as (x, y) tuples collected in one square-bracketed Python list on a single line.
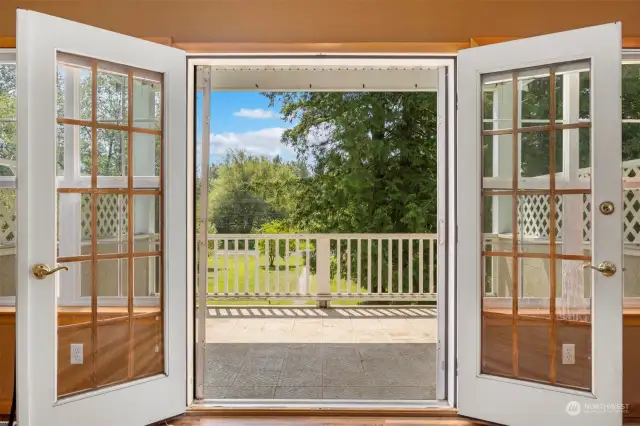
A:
[(374, 163), (273, 248), (249, 191)]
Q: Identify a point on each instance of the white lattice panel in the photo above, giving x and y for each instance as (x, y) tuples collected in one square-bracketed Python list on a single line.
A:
[(7, 216), (112, 211), (534, 210), (533, 217)]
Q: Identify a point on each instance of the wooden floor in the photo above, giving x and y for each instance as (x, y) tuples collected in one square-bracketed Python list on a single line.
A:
[(322, 421), (196, 420)]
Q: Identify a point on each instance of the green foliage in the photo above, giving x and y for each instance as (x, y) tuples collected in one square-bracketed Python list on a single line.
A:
[(7, 111), (374, 160), (374, 163), (273, 248), (249, 191)]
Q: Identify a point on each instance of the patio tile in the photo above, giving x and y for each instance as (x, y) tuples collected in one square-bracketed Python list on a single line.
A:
[(302, 374), (298, 392), (382, 352), (250, 392), (266, 350), (259, 372), (220, 374), (378, 392), (341, 358), (215, 392), (302, 353)]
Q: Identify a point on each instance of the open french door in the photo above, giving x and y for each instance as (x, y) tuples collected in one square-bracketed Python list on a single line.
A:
[(102, 266), (540, 230)]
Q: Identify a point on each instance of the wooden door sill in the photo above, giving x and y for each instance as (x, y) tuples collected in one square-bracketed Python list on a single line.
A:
[(329, 412)]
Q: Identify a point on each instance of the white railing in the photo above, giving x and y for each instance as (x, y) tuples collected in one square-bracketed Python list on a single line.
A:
[(322, 267)]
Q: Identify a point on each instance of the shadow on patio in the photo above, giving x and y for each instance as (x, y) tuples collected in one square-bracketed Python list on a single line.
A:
[(355, 353)]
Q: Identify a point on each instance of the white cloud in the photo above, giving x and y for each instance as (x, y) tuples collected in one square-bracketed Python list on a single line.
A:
[(265, 142), (254, 113)]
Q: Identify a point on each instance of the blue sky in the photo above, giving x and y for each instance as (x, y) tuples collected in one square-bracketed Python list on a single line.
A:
[(243, 120)]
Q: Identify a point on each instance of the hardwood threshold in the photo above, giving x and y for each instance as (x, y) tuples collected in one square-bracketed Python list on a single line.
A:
[(370, 419), (320, 412)]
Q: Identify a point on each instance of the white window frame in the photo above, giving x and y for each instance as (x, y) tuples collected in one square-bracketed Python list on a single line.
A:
[(446, 131), (71, 295), (628, 56), (8, 56)]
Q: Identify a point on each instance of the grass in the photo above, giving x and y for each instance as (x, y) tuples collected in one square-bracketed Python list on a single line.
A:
[(254, 275)]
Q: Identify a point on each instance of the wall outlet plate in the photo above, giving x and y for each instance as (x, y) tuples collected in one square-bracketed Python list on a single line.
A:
[(568, 353), (77, 353)]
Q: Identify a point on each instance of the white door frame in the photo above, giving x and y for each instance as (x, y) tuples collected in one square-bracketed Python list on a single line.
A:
[(39, 37), (446, 133), (483, 396)]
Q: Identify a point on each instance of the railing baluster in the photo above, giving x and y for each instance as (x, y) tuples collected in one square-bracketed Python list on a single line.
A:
[(369, 256), (400, 243), (286, 264), (236, 272), (267, 243), (349, 266), (431, 268), (421, 266), (339, 269), (410, 266), (390, 265), (379, 265), (256, 269), (246, 266), (299, 283), (359, 266), (297, 240), (215, 266), (308, 266), (277, 251), (226, 266)]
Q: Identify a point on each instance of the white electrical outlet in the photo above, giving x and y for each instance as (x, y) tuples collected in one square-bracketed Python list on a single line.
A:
[(77, 353), (568, 353)]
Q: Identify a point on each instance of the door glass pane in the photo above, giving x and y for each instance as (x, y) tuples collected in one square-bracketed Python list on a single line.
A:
[(536, 227), (8, 227), (110, 326), (631, 180)]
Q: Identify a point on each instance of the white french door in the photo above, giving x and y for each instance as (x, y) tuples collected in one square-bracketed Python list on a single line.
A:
[(102, 266), (540, 230)]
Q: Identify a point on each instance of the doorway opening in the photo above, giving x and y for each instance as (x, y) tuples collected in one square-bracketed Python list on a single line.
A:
[(322, 230)]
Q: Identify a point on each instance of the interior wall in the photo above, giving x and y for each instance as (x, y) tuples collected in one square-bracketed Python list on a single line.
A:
[(332, 21)]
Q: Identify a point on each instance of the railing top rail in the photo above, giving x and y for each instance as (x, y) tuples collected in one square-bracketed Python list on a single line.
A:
[(315, 236)]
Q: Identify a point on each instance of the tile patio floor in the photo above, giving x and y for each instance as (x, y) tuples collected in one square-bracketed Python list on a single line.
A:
[(308, 353)]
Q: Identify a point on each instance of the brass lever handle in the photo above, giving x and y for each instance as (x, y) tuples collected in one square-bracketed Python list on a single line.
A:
[(41, 271), (606, 268)]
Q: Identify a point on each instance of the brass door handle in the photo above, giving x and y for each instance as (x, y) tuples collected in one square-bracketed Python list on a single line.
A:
[(606, 268), (41, 271)]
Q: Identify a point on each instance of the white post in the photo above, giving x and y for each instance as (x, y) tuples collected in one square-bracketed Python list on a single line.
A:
[(323, 271), (144, 165), (70, 205), (203, 75), (572, 205), (502, 220)]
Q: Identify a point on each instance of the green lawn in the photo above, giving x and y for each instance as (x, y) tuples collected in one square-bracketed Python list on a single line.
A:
[(254, 271)]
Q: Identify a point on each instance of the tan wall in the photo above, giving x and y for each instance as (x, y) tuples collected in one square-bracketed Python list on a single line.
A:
[(111, 364), (333, 21), (534, 353)]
